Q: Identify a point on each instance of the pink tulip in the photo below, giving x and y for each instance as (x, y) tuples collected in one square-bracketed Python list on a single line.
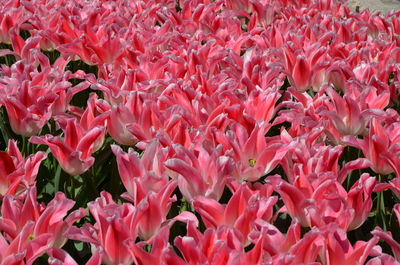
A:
[(338, 249), (65, 94), (58, 257), (309, 158), (351, 117), (17, 173), (115, 224), (23, 249), (346, 114), (139, 113), (29, 110), (95, 115), (75, 150), (387, 237), (301, 74), (328, 245), (304, 251), (360, 199), (215, 246), (201, 173), (265, 13), (383, 259), (323, 200), (253, 156), (100, 45), (49, 220), (141, 176), (270, 241), (394, 185), (161, 251), (176, 130), (10, 18), (260, 105), (306, 71), (30, 229), (51, 82), (338, 73), (25, 50), (241, 211), (153, 210), (377, 146), (114, 234)]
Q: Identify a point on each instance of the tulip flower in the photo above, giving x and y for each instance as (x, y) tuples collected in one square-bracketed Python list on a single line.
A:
[(338, 249), (350, 117), (154, 209), (241, 211), (23, 249), (346, 115), (252, 155), (378, 147), (307, 157), (141, 176), (30, 110), (115, 90), (270, 241), (324, 200), (338, 73), (115, 224), (75, 150), (306, 71), (16, 173), (202, 174), (289, 249), (360, 199), (394, 185), (10, 18), (260, 105), (30, 229), (387, 237), (99, 46), (95, 115), (15, 214), (139, 113), (383, 259), (161, 251), (58, 256), (215, 246)]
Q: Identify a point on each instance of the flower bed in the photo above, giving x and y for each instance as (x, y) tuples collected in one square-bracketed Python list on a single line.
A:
[(199, 132)]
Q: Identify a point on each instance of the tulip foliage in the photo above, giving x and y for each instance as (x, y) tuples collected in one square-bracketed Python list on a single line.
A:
[(199, 132)]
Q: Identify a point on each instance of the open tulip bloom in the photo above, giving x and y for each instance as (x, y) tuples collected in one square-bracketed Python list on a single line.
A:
[(199, 132)]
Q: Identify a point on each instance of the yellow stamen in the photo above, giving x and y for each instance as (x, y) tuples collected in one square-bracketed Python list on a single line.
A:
[(252, 162)]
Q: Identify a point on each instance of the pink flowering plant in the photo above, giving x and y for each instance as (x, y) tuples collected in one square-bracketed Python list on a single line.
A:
[(199, 132)]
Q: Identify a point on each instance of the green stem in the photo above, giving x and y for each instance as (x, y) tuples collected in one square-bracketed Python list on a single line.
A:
[(6, 59), (185, 206), (380, 214), (57, 179), (2, 128), (147, 248), (52, 127), (24, 151), (348, 158), (72, 179)]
